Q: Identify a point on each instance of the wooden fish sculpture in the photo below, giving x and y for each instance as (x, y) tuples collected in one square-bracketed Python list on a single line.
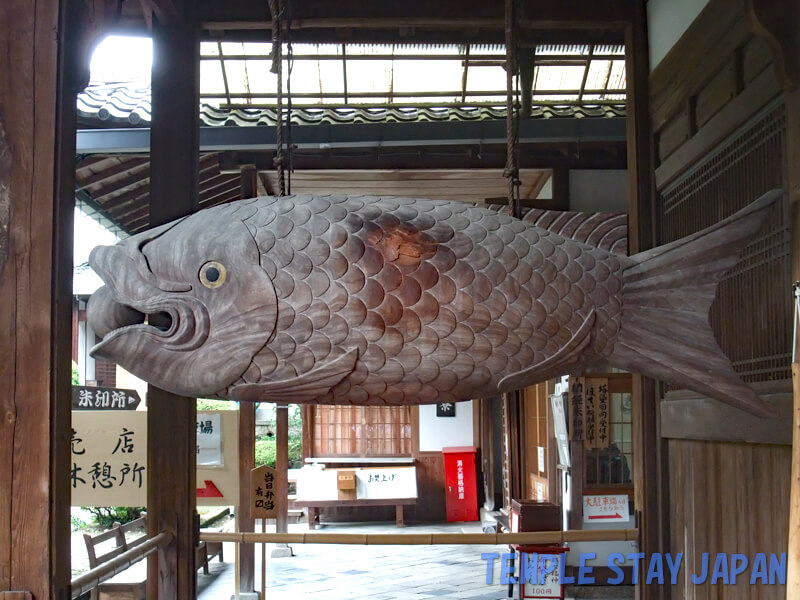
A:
[(375, 300)]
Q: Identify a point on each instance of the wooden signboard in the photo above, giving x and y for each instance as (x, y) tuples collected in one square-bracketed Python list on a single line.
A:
[(576, 413), (560, 425), (589, 411), (218, 448), (109, 459), (595, 402), (609, 508), (602, 409), (375, 483), (262, 493), (98, 398)]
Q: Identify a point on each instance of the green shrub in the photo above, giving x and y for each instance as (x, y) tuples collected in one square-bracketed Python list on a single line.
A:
[(206, 404), (77, 523), (265, 453), (76, 376), (105, 516)]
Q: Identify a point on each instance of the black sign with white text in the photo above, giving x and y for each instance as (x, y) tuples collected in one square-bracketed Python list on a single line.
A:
[(97, 398)]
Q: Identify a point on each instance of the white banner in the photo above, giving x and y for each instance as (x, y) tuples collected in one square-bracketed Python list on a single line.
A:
[(209, 440)]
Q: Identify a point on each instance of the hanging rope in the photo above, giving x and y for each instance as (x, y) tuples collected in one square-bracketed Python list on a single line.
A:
[(511, 170), (289, 145), (276, 8)]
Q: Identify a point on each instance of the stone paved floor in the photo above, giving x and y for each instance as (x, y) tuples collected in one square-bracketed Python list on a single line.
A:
[(328, 572)]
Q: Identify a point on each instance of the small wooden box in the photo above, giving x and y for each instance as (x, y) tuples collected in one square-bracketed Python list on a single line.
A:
[(529, 515), (346, 480)]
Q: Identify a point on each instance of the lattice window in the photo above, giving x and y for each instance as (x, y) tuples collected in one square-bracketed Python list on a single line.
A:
[(362, 431), (752, 314), (613, 465)]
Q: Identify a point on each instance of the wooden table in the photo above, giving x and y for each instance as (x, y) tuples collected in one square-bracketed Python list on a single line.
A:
[(314, 506)]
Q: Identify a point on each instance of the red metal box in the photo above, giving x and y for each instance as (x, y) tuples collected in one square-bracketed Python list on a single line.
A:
[(461, 490)]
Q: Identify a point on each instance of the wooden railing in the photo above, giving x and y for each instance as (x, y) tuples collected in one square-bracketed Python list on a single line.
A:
[(94, 577), (426, 539)]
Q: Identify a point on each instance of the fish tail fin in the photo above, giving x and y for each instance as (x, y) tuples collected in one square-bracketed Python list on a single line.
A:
[(666, 296)]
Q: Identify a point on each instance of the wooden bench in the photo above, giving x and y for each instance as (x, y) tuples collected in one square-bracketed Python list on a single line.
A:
[(131, 583), (314, 506), (204, 552)]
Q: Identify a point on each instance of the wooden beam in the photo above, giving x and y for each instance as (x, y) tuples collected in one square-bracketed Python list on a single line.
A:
[(649, 492), (282, 467), (776, 21), (125, 164), (247, 456), (37, 163), (172, 439), (208, 166), (686, 415), (130, 180), (394, 14)]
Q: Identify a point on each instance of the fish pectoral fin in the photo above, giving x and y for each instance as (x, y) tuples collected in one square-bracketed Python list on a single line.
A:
[(551, 366), (303, 388)]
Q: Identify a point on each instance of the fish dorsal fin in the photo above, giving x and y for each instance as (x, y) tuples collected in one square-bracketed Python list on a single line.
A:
[(552, 366), (605, 230), (303, 388)]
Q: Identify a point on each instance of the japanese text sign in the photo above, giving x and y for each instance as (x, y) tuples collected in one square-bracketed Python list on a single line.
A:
[(606, 509), (97, 398), (109, 458), (262, 493)]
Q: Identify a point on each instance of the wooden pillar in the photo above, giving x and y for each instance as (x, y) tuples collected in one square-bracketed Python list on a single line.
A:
[(282, 467), (37, 163), (308, 411), (247, 444), (171, 419), (249, 181), (560, 188), (247, 456), (650, 493), (793, 162)]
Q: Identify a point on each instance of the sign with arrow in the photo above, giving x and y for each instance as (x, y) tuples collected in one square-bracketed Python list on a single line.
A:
[(98, 398), (606, 509), (209, 490)]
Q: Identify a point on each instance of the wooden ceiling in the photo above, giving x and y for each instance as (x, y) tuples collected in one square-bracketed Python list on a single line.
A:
[(463, 185), (118, 187)]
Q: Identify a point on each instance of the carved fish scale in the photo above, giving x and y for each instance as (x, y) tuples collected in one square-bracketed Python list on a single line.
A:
[(441, 301)]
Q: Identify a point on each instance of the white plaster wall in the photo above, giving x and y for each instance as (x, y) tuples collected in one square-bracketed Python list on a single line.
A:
[(547, 189), (436, 433), (86, 338), (598, 190), (666, 22)]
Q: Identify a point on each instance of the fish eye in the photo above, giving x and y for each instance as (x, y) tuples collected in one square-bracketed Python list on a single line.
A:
[(212, 274)]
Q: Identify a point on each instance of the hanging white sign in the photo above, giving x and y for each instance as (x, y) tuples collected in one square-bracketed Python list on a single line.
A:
[(209, 440)]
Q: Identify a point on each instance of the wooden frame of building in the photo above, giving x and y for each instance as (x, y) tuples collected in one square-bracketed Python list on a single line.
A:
[(725, 79)]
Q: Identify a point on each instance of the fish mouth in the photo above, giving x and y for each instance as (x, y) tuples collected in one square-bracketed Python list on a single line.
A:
[(135, 303), (172, 322)]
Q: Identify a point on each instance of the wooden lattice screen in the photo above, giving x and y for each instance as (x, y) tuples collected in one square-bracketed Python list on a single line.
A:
[(752, 315), (362, 431)]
